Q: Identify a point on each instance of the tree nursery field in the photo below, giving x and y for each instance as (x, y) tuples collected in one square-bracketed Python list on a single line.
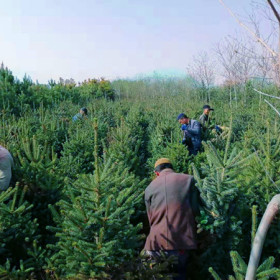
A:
[(75, 207)]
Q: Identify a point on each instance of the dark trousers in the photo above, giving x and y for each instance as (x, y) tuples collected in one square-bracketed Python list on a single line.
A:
[(179, 267), (193, 151)]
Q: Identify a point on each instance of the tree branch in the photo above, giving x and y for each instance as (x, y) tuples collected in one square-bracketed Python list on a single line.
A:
[(274, 10), (272, 107), (253, 34), (277, 97)]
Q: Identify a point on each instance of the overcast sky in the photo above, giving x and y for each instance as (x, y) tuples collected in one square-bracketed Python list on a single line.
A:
[(110, 38)]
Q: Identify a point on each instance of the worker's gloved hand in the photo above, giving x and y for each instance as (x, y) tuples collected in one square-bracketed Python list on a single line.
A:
[(218, 129), (187, 134), (184, 127)]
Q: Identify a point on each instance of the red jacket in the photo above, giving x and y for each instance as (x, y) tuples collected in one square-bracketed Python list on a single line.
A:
[(170, 202)]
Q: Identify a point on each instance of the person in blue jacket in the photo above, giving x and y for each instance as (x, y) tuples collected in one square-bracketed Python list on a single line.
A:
[(191, 133), (81, 115)]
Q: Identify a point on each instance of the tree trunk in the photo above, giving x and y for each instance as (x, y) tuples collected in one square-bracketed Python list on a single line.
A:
[(230, 98), (235, 95), (278, 58), (270, 212)]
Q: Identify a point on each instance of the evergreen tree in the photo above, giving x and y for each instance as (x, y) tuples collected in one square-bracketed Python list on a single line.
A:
[(261, 177), (265, 271), (36, 169), (77, 157), (260, 180), (222, 214), (20, 253), (37, 166), (138, 123), (165, 142), (124, 148), (94, 232)]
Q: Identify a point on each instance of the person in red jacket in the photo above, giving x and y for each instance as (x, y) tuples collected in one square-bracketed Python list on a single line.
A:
[(172, 203)]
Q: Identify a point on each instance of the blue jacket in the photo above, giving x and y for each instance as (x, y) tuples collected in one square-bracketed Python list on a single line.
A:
[(77, 117), (192, 131)]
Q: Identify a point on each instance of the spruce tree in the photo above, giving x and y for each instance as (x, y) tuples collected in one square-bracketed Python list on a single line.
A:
[(37, 165), (20, 252), (95, 235), (36, 170), (124, 147), (261, 177), (166, 142), (138, 122), (77, 157), (265, 271), (223, 200), (260, 180)]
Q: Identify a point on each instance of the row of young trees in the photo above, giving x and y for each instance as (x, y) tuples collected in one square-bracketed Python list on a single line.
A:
[(18, 95), (76, 211)]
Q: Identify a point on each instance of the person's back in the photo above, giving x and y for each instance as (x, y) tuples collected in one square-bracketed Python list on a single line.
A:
[(169, 205), (6, 163), (172, 203), (191, 133), (194, 128), (77, 117), (81, 115)]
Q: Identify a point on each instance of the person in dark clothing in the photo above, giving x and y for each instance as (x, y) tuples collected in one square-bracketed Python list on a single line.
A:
[(204, 118), (207, 122), (191, 133), (172, 202)]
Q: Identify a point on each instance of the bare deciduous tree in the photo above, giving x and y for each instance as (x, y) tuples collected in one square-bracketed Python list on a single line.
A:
[(202, 72), (237, 64), (268, 37)]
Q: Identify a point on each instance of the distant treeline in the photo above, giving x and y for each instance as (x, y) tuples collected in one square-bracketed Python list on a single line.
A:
[(16, 95)]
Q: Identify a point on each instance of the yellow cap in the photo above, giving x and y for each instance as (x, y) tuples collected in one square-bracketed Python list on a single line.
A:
[(161, 161)]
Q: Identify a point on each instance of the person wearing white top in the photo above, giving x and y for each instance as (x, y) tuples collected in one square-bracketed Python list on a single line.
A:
[(6, 163)]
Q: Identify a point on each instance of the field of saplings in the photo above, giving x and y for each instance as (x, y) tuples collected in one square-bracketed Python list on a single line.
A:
[(75, 207)]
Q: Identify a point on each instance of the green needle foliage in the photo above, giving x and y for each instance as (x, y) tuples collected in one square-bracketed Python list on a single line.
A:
[(265, 271), (20, 254), (261, 176), (81, 212), (95, 234), (38, 165), (218, 186)]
